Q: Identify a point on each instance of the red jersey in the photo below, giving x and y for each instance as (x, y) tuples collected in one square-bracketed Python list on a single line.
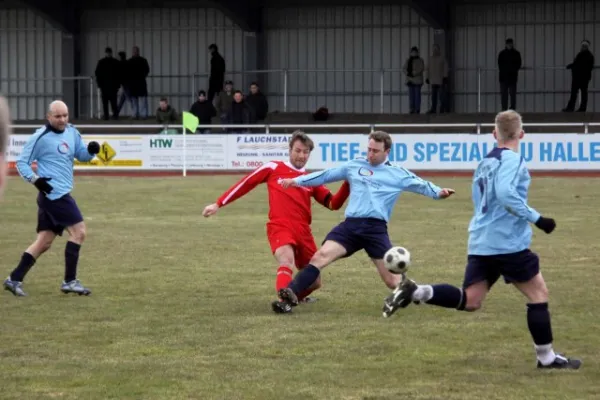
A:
[(293, 203)]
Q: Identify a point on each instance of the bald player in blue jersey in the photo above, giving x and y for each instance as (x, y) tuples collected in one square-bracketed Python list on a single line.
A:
[(54, 147), (375, 185), (499, 239)]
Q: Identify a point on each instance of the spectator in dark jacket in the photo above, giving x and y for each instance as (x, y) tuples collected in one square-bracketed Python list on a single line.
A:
[(204, 110), (509, 64), (138, 72), (108, 80), (165, 114), (217, 72), (239, 113), (124, 81), (258, 102), (581, 75)]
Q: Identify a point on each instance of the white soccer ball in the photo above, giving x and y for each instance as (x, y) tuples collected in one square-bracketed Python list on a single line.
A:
[(397, 260)]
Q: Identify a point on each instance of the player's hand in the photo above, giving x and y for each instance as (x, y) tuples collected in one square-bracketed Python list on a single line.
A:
[(546, 224), (286, 183), (210, 210), (93, 148), (445, 193), (42, 185)]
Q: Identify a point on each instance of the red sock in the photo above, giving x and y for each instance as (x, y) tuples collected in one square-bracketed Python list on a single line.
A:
[(284, 277)]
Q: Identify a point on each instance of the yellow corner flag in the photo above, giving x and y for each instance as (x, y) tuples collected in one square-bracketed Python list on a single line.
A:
[(190, 121)]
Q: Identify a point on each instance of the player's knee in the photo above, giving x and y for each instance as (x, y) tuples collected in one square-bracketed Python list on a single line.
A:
[(320, 259), (473, 305), (43, 246), (539, 295), (78, 235), (317, 285), (474, 300)]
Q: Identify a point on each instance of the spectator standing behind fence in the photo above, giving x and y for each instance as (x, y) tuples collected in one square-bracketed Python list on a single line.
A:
[(258, 102), (204, 110), (509, 64), (107, 78), (437, 77), (165, 114), (217, 72), (240, 113), (124, 81), (414, 69), (224, 100), (581, 75), (138, 72)]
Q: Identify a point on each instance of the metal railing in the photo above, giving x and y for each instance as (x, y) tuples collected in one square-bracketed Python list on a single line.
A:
[(369, 90), (29, 98), (269, 127)]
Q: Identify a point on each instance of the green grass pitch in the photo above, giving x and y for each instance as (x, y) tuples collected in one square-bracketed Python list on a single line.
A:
[(181, 304)]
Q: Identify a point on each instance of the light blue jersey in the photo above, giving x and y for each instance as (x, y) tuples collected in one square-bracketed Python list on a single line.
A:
[(373, 190), (500, 224), (54, 152)]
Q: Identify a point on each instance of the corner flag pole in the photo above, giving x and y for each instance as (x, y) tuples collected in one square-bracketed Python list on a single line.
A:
[(184, 151)]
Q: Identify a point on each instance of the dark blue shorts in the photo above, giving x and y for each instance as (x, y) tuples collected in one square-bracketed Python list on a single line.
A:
[(356, 234), (514, 267), (57, 215)]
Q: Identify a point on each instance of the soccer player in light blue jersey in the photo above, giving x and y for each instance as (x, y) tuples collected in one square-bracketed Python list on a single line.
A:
[(54, 147), (375, 185), (499, 240)]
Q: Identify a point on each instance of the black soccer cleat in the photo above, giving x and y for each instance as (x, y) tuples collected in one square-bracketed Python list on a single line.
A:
[(401, 297), (287, 295), (561, 362), (281, 307)]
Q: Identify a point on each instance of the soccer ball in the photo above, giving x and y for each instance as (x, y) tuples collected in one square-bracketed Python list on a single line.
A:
[(397, 260)]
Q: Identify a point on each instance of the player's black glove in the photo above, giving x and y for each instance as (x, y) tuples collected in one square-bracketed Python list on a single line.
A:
[(93, 148), (546, 224), (42, 185)]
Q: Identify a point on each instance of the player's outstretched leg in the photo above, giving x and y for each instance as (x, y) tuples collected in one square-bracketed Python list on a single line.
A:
[(442, 295), (71, 284)]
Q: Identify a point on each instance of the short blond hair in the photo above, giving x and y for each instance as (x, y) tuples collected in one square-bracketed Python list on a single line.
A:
[(382, 137), (303, 138), (509, 125), (5, 125)]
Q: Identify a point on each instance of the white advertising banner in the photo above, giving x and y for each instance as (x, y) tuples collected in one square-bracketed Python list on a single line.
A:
[(247, 152)]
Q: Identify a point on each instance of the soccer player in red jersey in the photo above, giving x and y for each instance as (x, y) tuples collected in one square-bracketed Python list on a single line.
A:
[(290, 216)]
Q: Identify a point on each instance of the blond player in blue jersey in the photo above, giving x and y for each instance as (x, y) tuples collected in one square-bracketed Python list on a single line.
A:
[(499, 240)]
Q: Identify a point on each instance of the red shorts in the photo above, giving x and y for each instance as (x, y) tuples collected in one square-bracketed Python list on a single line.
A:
[(299, 236)]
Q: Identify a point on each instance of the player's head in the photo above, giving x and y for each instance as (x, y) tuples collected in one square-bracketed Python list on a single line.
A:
[(509, 129), (379, 147), (300, 147), (58, 115), (5, 132)]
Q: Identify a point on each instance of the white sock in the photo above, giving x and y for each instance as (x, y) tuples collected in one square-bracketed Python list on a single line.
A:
[(423, 293), (545, 353)]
